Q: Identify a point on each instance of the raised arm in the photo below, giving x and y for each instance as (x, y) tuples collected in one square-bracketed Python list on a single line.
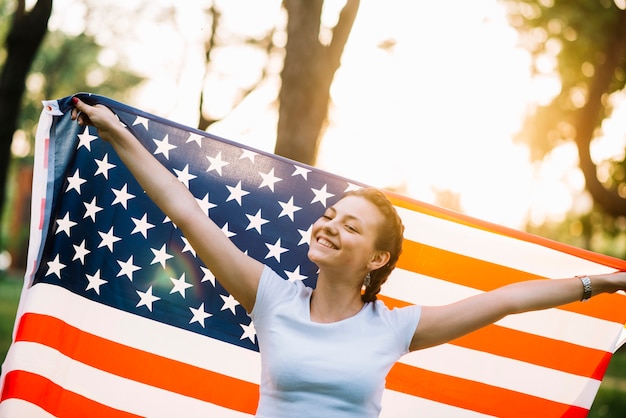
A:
[(441, 324), (237, 272)]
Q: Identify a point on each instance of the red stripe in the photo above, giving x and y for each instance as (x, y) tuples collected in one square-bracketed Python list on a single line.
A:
[(421, 207), (531, 348), (42, 213), (485, 276), (475, 396), (53, 398), (138, 365)]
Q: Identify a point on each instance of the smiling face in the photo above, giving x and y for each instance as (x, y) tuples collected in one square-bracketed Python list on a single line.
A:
[(345, 237)]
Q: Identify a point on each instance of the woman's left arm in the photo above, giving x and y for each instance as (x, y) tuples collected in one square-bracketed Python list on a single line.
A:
[(441, 324)]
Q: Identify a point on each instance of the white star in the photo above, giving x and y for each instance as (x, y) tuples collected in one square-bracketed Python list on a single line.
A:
[(85, 139), (306, 235), (275, 250), (301, 171), (127, 268), (204, 204), (80, 252), (248, 331), (168, 220), (55, 266), (184, 176), (91, 209), (269, 180), (95, 282), (188, 246), (216, 163), (122, 196), (295, 275), (193, 137), (236, 193), (142, 225), (147, 299), (321, 195), (140, 120), (65, 224), (104, 166), (226, 232), (108, 239), (248, 154), (288, 208), (229, 303), (199, 315), (208, 276), (75, 182), (160, 256), (164, 147), (180, 285), (256, 221), (352, 187)]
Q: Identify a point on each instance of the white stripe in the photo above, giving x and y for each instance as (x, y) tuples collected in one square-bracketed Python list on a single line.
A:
[(109, 389), (506, 373), (550, 323), (400, 405), (12, 408), (144, 334), (494, 248)]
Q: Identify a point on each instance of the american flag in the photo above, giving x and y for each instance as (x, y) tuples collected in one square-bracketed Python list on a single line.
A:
[(119, 318)]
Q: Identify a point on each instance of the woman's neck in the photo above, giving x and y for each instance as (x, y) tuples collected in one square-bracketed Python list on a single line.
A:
[(334, 301)]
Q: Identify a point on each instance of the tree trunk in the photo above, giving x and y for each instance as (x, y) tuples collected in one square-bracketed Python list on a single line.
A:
[(307, 74), (586, 120), (27, 31)]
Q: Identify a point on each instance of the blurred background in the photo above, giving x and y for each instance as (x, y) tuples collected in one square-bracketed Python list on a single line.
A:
[(510, 111)]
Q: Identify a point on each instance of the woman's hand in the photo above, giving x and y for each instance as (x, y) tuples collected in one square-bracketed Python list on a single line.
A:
[(99, 116)]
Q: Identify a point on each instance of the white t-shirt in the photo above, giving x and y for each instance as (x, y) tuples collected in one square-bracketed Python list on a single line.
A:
[(310, 369)]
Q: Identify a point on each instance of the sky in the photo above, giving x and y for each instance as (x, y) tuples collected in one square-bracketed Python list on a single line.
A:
[(437, 111)]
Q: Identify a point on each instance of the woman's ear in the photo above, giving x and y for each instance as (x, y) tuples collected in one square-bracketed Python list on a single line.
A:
[(379, 259)]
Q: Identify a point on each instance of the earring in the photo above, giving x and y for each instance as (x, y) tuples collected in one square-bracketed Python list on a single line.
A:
[(367, 280)]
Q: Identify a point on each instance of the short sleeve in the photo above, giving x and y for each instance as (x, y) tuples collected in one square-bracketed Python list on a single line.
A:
[(405, 321), (272, 290)]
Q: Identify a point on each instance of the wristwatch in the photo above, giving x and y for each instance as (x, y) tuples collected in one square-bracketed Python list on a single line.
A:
[(586, 281)]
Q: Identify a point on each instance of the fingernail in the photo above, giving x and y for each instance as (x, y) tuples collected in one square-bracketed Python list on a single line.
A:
[(75, 100)]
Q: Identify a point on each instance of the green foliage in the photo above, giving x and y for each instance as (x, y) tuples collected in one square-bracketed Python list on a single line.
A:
[(578, 37), (66, 65), (10, 289)]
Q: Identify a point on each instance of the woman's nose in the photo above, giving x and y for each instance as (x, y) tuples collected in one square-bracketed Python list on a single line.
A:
[(329, 228)]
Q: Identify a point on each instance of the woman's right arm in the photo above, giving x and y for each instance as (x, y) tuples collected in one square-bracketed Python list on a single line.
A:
[(236, 271)]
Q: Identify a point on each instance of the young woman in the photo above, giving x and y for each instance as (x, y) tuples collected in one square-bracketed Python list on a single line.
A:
[(326, 351)]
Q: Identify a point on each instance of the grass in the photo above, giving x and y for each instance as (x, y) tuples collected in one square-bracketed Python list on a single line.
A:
[(610, 401), (10, 289)]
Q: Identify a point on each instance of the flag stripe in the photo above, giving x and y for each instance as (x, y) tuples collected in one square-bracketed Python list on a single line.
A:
[(455, 390), (516, 376), (589, 332), (55, 399), (108, 389), (13, 407), (412, 209), (130, 363), (457, 268), (531, 348)]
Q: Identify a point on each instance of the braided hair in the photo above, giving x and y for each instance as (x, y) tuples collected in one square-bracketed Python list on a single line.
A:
[(389, 238)]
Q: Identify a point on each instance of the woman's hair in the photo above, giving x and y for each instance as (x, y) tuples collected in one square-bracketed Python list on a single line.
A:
[(389, 238)]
